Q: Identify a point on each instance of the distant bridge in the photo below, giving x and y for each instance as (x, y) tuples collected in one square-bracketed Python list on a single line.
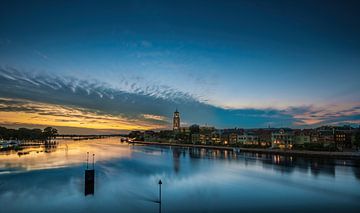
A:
[(87, 137), (66, 136), (38, 143)]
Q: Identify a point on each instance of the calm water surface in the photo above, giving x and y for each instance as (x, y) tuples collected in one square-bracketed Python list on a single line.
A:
[(51, 179)]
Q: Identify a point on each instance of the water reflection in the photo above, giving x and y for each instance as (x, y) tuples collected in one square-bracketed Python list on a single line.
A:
[(176, 159), (62, 154), (89, 182), (283, 164), (203, 179)]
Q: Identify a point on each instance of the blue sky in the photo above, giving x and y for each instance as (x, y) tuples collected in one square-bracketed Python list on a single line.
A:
[(240, 62)]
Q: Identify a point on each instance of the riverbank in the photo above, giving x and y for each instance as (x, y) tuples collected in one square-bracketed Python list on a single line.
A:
[(323, 154)]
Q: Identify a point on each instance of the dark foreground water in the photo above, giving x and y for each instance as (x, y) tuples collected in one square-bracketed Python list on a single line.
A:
[(51, 179)]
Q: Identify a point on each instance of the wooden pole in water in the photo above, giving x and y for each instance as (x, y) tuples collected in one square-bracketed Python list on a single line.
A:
[(87, 160), (89, 177), (160, 195)]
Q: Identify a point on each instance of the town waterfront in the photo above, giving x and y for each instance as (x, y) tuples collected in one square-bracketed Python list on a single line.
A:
[(51, 179)]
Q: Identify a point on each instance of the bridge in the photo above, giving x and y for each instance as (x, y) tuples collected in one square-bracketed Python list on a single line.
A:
[(66, 136), (86, 137), (38, 143)]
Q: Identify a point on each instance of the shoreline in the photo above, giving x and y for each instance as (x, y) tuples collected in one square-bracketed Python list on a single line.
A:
[(317, 154)]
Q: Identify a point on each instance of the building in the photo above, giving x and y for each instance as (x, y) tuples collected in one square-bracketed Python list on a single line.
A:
[(184, 130), (233, 138), (216, 137), (264, 136), (343, 136), (325, 134), (206, 134), (283, 139), (230, 136), (176, 121), (248, 138), (302, 136), (195, 138)]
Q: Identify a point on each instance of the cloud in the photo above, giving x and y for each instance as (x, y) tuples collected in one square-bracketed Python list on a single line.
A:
[(69, 101), (154, 117), (29, 112), (89, 93), (41, 54), (329, 115)]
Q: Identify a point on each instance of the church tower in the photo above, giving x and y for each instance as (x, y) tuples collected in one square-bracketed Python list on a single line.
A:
[(176, 121)]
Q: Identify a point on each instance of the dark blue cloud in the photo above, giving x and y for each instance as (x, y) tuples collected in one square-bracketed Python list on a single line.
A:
[(97, 97), (271, 50), (199, 53), (101, 98)]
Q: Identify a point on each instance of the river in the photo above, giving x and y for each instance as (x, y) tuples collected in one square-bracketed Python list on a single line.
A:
[(51, 179)]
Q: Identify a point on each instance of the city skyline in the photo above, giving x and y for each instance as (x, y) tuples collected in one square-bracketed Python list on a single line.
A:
[(126, 65)]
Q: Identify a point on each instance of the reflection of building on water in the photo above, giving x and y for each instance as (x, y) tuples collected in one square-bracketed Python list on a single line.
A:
[(212, 153), (291, 163), (356, 169), (176, 159), (322, 166)]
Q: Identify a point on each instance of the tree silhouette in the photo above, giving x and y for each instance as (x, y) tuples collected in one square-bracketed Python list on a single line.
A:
[(27, 134), (50, 133)]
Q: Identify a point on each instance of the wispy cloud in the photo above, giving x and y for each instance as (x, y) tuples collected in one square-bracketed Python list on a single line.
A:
[(92, 87), (41, 54), (334, 114), (154, 117), (27, 112), (70, 101)]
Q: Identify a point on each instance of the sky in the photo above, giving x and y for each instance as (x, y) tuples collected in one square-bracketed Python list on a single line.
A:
[(111, 66)]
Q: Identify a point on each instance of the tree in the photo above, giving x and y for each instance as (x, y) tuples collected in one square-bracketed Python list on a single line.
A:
[(194, 129), (357, 139), (49, 133), (27, 134)]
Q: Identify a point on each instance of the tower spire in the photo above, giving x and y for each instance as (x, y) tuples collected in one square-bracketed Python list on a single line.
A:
[(176, 120)]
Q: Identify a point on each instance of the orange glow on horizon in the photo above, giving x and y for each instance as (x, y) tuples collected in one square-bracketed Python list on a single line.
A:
[(56, 115)]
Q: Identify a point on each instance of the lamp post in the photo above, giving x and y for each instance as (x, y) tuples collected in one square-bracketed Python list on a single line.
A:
[(160, 196)]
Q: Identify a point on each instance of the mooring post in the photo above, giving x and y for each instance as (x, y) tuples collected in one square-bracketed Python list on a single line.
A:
[(87, 160), (160, 195), (89, 177)]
